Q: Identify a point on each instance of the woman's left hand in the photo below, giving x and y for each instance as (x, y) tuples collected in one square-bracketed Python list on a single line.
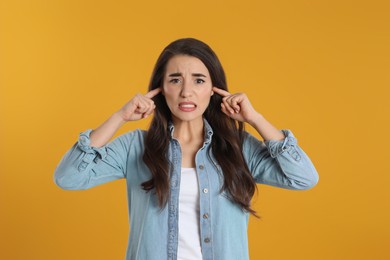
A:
[(237, 106)]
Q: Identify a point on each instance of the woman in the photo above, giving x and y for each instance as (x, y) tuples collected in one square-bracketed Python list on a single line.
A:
[(191, 176)]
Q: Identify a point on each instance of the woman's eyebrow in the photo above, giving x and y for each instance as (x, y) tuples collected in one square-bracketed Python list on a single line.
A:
[(198, 75), (179, 74)]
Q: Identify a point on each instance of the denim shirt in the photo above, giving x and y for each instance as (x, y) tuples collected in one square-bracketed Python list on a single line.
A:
[(154, 231)]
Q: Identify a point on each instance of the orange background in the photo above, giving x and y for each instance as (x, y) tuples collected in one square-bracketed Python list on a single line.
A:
[(320, 68)]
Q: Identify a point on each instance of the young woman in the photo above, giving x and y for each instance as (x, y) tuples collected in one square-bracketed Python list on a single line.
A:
[(191, 176)]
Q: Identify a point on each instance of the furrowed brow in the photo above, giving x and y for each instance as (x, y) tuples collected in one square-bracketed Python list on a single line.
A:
[(199, 75), (177, 74)]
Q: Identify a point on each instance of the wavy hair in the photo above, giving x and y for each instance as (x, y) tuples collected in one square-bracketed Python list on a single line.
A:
[(226, 144)]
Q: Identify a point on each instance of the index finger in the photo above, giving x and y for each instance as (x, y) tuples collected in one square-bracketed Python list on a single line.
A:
[(153, 93), (221, 92)]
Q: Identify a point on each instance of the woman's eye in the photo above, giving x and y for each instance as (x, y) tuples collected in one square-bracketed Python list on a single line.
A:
[(200, 81), (175, 81)]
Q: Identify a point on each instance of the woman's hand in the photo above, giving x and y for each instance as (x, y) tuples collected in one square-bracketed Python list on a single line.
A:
[(237, 106), (140, 106)]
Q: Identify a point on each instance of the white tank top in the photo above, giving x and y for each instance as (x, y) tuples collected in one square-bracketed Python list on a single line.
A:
[(189, 247)]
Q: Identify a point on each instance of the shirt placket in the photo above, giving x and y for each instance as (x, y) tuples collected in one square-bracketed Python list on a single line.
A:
[(205, 206), (173, 202)]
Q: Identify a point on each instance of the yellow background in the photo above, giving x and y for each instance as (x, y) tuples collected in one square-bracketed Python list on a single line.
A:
[(320, 68)]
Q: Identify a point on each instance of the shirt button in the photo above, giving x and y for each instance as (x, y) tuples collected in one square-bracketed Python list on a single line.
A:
[(205, 190), (205, 216), (83, 140), (207, 240), (201, 167)]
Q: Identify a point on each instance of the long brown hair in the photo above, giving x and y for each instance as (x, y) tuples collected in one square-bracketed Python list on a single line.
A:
[(226, 143)]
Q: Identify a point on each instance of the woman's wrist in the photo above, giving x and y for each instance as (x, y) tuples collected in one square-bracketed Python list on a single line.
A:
[(101, 135), (265, 128), (118, 118), (255, 119)]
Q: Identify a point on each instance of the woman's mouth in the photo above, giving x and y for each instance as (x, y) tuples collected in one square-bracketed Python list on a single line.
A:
[(187, 106)]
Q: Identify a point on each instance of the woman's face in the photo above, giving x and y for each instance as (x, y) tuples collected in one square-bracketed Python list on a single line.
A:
[(187, 87)]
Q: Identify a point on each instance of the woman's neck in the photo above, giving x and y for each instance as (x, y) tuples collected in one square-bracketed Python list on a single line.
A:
[(189, 131), (190, 136)]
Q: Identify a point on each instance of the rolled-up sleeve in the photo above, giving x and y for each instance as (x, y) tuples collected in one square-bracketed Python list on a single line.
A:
[(84, 166), (279, 163)]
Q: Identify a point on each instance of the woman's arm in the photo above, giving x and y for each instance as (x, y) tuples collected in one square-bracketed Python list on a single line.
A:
[(279, 161), (281, 164), (84, 166), (92, 160)]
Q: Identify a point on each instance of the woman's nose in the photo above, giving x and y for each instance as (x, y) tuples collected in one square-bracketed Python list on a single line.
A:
[(186, 89)]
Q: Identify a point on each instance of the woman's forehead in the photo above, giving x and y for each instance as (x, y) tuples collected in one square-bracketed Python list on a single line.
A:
[(185, 64)]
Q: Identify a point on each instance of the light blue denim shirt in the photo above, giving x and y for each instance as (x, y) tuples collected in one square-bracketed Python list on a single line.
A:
[(154, 231)]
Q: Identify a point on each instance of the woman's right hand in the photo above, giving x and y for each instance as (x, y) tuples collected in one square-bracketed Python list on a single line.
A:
[(140, 106)]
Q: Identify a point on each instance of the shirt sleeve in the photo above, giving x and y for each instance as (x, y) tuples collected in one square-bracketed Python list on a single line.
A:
[(279, 163), (84, 166)]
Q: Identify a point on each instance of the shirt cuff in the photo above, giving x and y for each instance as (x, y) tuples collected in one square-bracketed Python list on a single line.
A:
[(84, 143), (278, 147)]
